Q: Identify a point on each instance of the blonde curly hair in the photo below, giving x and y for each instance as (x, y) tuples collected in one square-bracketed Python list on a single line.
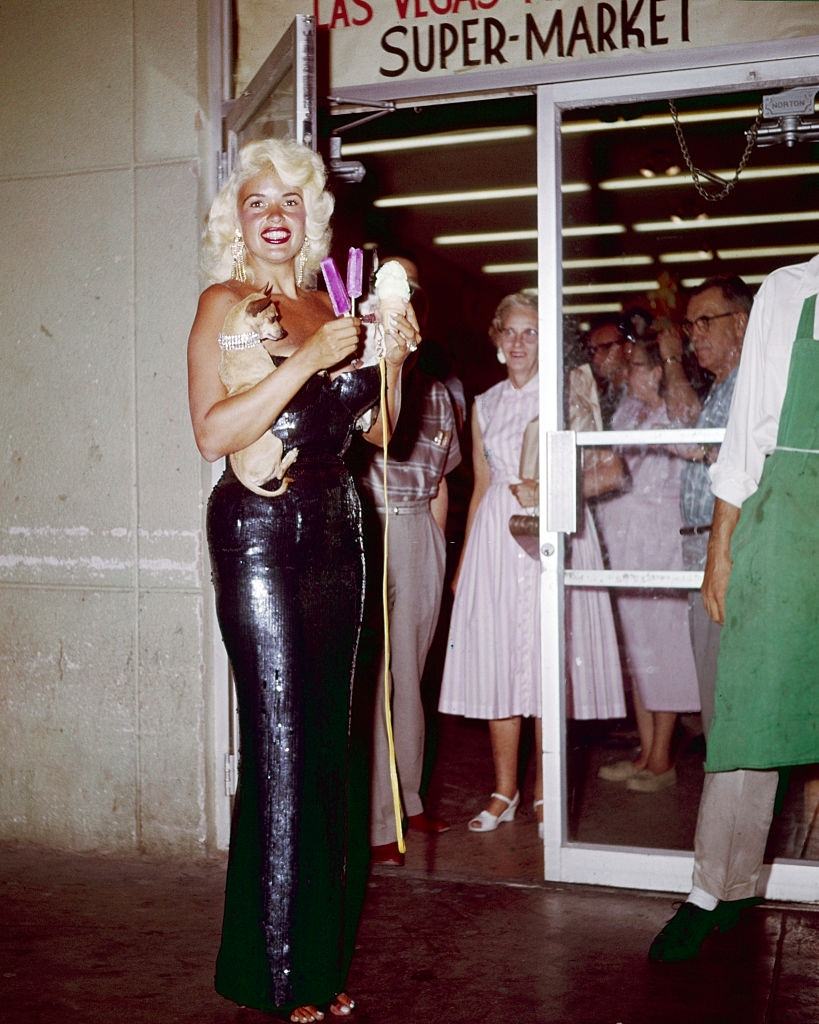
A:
[(298, 167)]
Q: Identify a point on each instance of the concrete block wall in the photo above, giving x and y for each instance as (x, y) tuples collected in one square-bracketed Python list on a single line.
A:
[(105, 695)]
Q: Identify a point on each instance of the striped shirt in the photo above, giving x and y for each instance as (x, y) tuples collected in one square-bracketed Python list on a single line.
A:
[(434, 453)]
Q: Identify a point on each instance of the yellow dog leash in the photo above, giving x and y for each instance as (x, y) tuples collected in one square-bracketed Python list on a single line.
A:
[(396, 792)]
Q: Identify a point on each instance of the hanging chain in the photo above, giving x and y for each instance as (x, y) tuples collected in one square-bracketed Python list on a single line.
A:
[(696, 173)]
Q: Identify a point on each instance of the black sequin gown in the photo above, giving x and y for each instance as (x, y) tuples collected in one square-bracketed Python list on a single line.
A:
[(289, 574)]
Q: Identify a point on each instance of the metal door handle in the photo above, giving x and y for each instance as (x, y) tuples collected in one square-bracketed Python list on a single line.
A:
[(561, 481)]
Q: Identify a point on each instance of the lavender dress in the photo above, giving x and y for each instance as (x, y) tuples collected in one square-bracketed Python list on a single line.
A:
[(492, 665), (641, 530), (594, 678)]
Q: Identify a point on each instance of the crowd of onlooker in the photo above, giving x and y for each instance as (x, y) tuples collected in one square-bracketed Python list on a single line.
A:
[(649, 378)]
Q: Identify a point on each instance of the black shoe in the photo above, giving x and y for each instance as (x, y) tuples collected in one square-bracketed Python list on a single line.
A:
[(684, 934), (729, 911)]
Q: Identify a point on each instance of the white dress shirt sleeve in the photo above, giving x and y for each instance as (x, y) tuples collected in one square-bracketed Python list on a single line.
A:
[(762, 381)]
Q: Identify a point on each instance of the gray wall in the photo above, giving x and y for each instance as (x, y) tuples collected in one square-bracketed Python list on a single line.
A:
[(105, 692)]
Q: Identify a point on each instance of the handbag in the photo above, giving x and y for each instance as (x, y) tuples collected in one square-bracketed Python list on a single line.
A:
[(525, 528)]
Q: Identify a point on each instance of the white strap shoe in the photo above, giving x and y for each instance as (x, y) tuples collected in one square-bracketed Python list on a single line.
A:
[(486, 822)]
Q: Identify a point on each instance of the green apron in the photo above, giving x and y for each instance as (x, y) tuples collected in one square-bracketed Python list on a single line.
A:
[(767, 694)]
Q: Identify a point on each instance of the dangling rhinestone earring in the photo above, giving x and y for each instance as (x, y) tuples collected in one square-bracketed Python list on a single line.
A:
[(237, 251), (501, 357), (301, 262)]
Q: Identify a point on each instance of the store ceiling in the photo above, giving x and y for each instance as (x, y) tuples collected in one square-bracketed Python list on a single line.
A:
[(594, 157)]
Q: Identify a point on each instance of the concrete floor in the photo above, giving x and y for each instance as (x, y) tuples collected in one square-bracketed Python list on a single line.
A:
[(599, 812), (465, 933), (93, 940)]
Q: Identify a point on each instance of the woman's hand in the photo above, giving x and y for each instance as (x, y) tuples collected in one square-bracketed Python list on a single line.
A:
[(526, 493), (669, 340), (401, 337), (333, 343), (680, 398)]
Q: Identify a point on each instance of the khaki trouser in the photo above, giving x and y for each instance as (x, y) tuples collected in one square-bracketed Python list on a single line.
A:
[(416, 564), (736, 808)]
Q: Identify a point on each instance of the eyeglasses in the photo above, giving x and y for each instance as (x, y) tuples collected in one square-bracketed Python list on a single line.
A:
[(703, 322), (509, 333)]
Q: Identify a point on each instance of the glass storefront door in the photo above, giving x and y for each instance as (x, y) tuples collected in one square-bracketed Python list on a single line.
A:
[(620, 230), (624, 237)]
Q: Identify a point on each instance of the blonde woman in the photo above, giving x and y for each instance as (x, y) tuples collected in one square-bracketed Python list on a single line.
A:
[(288, 576), (492, 668)]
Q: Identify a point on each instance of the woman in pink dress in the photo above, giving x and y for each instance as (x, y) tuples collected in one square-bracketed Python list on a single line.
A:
[(641, 530), (492, 667)]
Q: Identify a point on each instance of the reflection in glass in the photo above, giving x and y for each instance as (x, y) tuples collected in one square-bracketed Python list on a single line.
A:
[(594, 681), (275, 118), (641, 530), (636, 177)]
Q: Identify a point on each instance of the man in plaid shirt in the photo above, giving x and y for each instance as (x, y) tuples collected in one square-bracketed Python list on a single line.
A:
[(423, 449)]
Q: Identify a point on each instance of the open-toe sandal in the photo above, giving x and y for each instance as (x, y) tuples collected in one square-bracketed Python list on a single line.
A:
[(339, 1009), (487, 822)]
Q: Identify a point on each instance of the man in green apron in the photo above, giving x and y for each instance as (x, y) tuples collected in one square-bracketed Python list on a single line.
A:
[(761, 584)]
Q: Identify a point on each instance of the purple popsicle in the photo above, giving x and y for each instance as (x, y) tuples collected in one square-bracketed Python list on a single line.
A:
[(355, 272), (335, 286)]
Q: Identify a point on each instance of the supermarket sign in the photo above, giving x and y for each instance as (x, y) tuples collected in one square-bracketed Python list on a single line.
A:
[(397, 40)]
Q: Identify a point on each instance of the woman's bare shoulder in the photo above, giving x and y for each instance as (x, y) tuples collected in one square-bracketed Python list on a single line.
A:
[(214, 303), (221, 295)]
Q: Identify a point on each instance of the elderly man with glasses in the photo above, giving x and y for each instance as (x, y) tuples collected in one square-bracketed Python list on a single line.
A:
[(608, 348), (716, 318)]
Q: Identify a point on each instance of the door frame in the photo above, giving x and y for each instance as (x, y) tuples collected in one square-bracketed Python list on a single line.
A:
[(620, 866), (731, 67)]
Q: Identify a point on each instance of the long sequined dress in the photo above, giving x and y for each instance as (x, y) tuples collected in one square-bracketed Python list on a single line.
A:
[(288, 574)]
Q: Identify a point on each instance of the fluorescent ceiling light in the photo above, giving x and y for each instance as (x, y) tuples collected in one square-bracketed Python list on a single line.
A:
[(594, 307), (700, 256), (752, 253), (486, 236), (695, 282), (527, 235), (477, 195), (749, 174), (658, 181), (433, 198), (594, 229), (726, 222), (465, 138), (773, 250), (609, 286), (608, 261), (509, 268), (654, 120), (602, 261)]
